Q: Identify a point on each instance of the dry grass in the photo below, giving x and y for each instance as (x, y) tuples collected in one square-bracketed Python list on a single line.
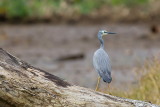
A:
[(149, 85)]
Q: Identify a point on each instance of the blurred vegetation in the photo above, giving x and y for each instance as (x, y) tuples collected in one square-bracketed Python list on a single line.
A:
[(48, 8), (129, 3), (149, 86)]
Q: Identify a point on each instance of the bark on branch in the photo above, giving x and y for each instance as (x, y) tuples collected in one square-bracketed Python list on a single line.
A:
[(22, 85)]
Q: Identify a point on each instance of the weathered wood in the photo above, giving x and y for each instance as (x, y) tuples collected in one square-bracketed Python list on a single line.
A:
[(22, 85)]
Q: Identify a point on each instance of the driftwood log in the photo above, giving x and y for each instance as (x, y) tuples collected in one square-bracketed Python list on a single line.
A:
[(22, 85)]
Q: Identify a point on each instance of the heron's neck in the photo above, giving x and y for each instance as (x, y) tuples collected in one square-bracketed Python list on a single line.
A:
[(101, 41)]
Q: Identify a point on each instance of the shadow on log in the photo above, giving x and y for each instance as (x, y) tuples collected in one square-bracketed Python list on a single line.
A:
[(22, 85)]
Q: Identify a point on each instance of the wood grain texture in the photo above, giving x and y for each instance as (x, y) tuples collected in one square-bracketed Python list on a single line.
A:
[(22, 85)]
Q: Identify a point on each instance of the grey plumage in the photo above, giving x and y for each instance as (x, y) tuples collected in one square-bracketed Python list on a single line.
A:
[(102, 65), (101, 59)]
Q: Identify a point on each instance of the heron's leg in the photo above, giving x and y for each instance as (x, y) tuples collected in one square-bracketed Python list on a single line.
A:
[(99, 78), (108, 88)]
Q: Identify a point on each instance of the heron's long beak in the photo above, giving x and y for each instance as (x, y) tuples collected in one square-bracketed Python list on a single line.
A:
[(109, 32)]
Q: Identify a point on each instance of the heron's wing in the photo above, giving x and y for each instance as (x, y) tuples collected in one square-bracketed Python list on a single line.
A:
[(101, 60), (102, 64)]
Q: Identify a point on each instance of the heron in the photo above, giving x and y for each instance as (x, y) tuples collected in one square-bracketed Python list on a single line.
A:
[(101, 61)]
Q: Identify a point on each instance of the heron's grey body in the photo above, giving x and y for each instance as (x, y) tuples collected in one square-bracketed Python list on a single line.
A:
[(101, 59), (102, 65)]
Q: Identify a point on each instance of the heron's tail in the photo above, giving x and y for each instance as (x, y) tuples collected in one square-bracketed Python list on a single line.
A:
[(106, 76)]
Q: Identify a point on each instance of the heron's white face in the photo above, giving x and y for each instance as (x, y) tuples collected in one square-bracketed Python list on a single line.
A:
[(103, 32)]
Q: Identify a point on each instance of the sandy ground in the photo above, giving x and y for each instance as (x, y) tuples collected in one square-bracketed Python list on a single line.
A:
[(66, 51)]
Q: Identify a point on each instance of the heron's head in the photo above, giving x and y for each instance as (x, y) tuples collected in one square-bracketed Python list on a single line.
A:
[(104, 32)]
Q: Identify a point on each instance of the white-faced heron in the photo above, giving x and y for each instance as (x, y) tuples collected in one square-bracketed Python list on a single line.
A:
[(101, 60)]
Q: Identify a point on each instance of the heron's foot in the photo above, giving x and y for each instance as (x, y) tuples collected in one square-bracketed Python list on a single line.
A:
[(96, 89)]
